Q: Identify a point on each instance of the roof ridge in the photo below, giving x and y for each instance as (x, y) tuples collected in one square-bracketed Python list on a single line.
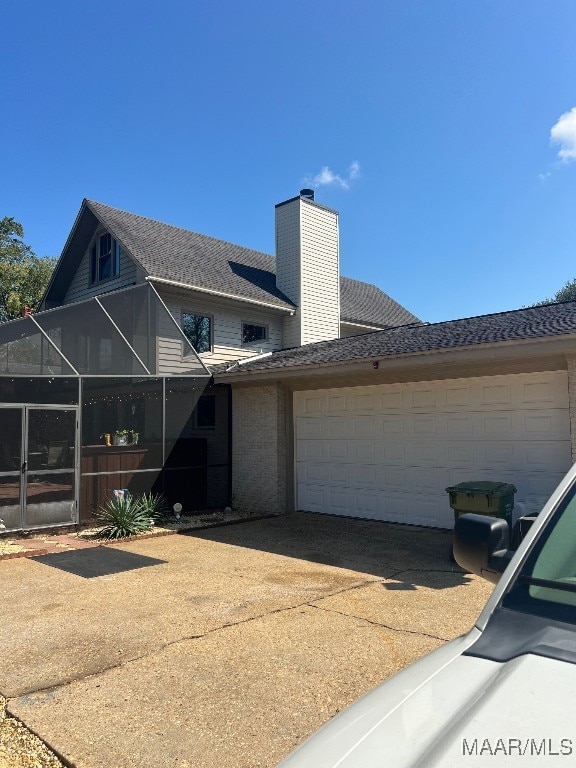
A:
[(175, 226), (493, 314)]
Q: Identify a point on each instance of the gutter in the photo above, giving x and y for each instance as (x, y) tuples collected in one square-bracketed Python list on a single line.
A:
[(222, 294)]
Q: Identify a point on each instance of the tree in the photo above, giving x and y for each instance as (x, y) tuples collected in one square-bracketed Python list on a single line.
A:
[(23, 275), (566, 293)]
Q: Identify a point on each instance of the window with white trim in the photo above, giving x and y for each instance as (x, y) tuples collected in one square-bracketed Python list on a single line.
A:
[(198, 331), (104, 258)]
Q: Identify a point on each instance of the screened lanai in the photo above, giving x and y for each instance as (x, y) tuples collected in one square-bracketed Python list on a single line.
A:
[(106, 395)]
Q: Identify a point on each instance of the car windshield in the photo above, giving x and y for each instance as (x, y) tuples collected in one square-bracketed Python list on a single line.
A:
[(546, 584)]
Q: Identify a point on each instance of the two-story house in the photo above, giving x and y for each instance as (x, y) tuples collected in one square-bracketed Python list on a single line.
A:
[(220, 374), (108, 386)]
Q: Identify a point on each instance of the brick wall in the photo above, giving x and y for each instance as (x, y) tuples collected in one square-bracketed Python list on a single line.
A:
[(259, 448)]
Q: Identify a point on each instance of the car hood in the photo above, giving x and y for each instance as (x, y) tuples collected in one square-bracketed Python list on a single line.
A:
[(447, 709)]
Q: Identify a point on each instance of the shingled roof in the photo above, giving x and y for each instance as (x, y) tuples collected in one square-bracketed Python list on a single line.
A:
[(172, 253), (517, 325)]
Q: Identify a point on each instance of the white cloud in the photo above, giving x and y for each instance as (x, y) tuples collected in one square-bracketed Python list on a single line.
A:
[(327, 178), (564, 134)]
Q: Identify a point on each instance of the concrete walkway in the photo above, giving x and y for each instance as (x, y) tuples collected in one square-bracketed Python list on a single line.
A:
[(227, 647)]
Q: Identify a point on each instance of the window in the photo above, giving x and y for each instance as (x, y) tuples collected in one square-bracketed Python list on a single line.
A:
[(104, 258), (198, 331), (252, 333)]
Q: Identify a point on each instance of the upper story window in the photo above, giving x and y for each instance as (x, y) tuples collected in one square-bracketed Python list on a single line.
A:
[(198, 331), (252, 333), (104, 258)]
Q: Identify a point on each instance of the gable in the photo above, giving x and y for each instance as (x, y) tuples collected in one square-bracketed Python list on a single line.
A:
[(191, 260), (72, 280)]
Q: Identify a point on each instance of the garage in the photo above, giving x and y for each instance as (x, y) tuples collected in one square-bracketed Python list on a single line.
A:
[(388, 451)]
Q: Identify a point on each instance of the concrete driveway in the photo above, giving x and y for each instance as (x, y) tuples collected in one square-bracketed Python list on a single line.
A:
[(227, 647)]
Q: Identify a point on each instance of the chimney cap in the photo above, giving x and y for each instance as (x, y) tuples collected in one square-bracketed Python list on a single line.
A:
[(307, 193)]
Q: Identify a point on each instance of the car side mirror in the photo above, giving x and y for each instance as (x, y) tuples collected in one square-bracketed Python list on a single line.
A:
[(481, 545)]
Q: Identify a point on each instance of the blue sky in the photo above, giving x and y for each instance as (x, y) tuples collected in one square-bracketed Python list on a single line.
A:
[(441, 130)]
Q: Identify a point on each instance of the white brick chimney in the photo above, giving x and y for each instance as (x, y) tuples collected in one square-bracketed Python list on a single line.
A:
[(307, 268)]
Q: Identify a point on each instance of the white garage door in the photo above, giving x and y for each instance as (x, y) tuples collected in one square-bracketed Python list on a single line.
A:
[(388, 451)]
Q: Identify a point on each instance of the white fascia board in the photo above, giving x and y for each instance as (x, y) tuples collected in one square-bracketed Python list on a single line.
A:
[(221, 294), (353, 324), (474, 353)]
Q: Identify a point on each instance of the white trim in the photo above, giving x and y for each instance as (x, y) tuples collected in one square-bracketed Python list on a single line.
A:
[(212, 292), (362, 325), (248, 360)]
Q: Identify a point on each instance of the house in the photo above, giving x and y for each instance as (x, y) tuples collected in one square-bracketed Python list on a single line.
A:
[(135, 316), (273, 383)]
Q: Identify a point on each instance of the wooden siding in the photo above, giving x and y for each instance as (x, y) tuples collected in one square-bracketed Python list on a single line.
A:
[(226, 330), (81, 288)]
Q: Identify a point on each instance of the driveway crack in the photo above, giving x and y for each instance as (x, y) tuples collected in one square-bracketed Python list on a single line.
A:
[(379, 623)]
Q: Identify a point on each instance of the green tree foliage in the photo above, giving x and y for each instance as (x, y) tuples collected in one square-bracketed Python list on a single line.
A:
[(567, 292), (23, 275)]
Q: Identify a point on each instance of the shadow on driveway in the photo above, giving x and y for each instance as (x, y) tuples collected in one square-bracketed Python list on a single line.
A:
[(101, 561), (405, 554)]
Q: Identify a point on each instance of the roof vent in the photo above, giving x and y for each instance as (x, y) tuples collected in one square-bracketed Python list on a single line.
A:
[(307, 193)]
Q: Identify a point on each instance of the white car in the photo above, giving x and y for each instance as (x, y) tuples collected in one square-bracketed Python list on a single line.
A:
[(502, 695)]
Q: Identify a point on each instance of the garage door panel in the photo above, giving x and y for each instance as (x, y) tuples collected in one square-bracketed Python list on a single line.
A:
[(389, 451), (392, 399), (338, 449), (365, 426), (312, 498), (460, 454), (335, 404), (310, 429), (392, 425), (546, 455), (423, 454), (309, 449), (311, 404), (459, 425)]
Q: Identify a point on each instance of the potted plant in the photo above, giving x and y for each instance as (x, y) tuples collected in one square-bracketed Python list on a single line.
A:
[(121, 436)]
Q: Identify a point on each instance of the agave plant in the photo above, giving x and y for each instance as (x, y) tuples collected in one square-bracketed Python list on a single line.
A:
[(155, 505), (123, 517)]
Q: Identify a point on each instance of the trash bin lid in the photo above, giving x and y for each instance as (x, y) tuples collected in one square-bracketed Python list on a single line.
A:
[(483, 486)]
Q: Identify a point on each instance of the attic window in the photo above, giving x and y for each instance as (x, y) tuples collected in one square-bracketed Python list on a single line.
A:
[(104, 258)]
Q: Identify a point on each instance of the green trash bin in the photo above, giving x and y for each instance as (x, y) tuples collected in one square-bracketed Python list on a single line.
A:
[(484, 498)]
